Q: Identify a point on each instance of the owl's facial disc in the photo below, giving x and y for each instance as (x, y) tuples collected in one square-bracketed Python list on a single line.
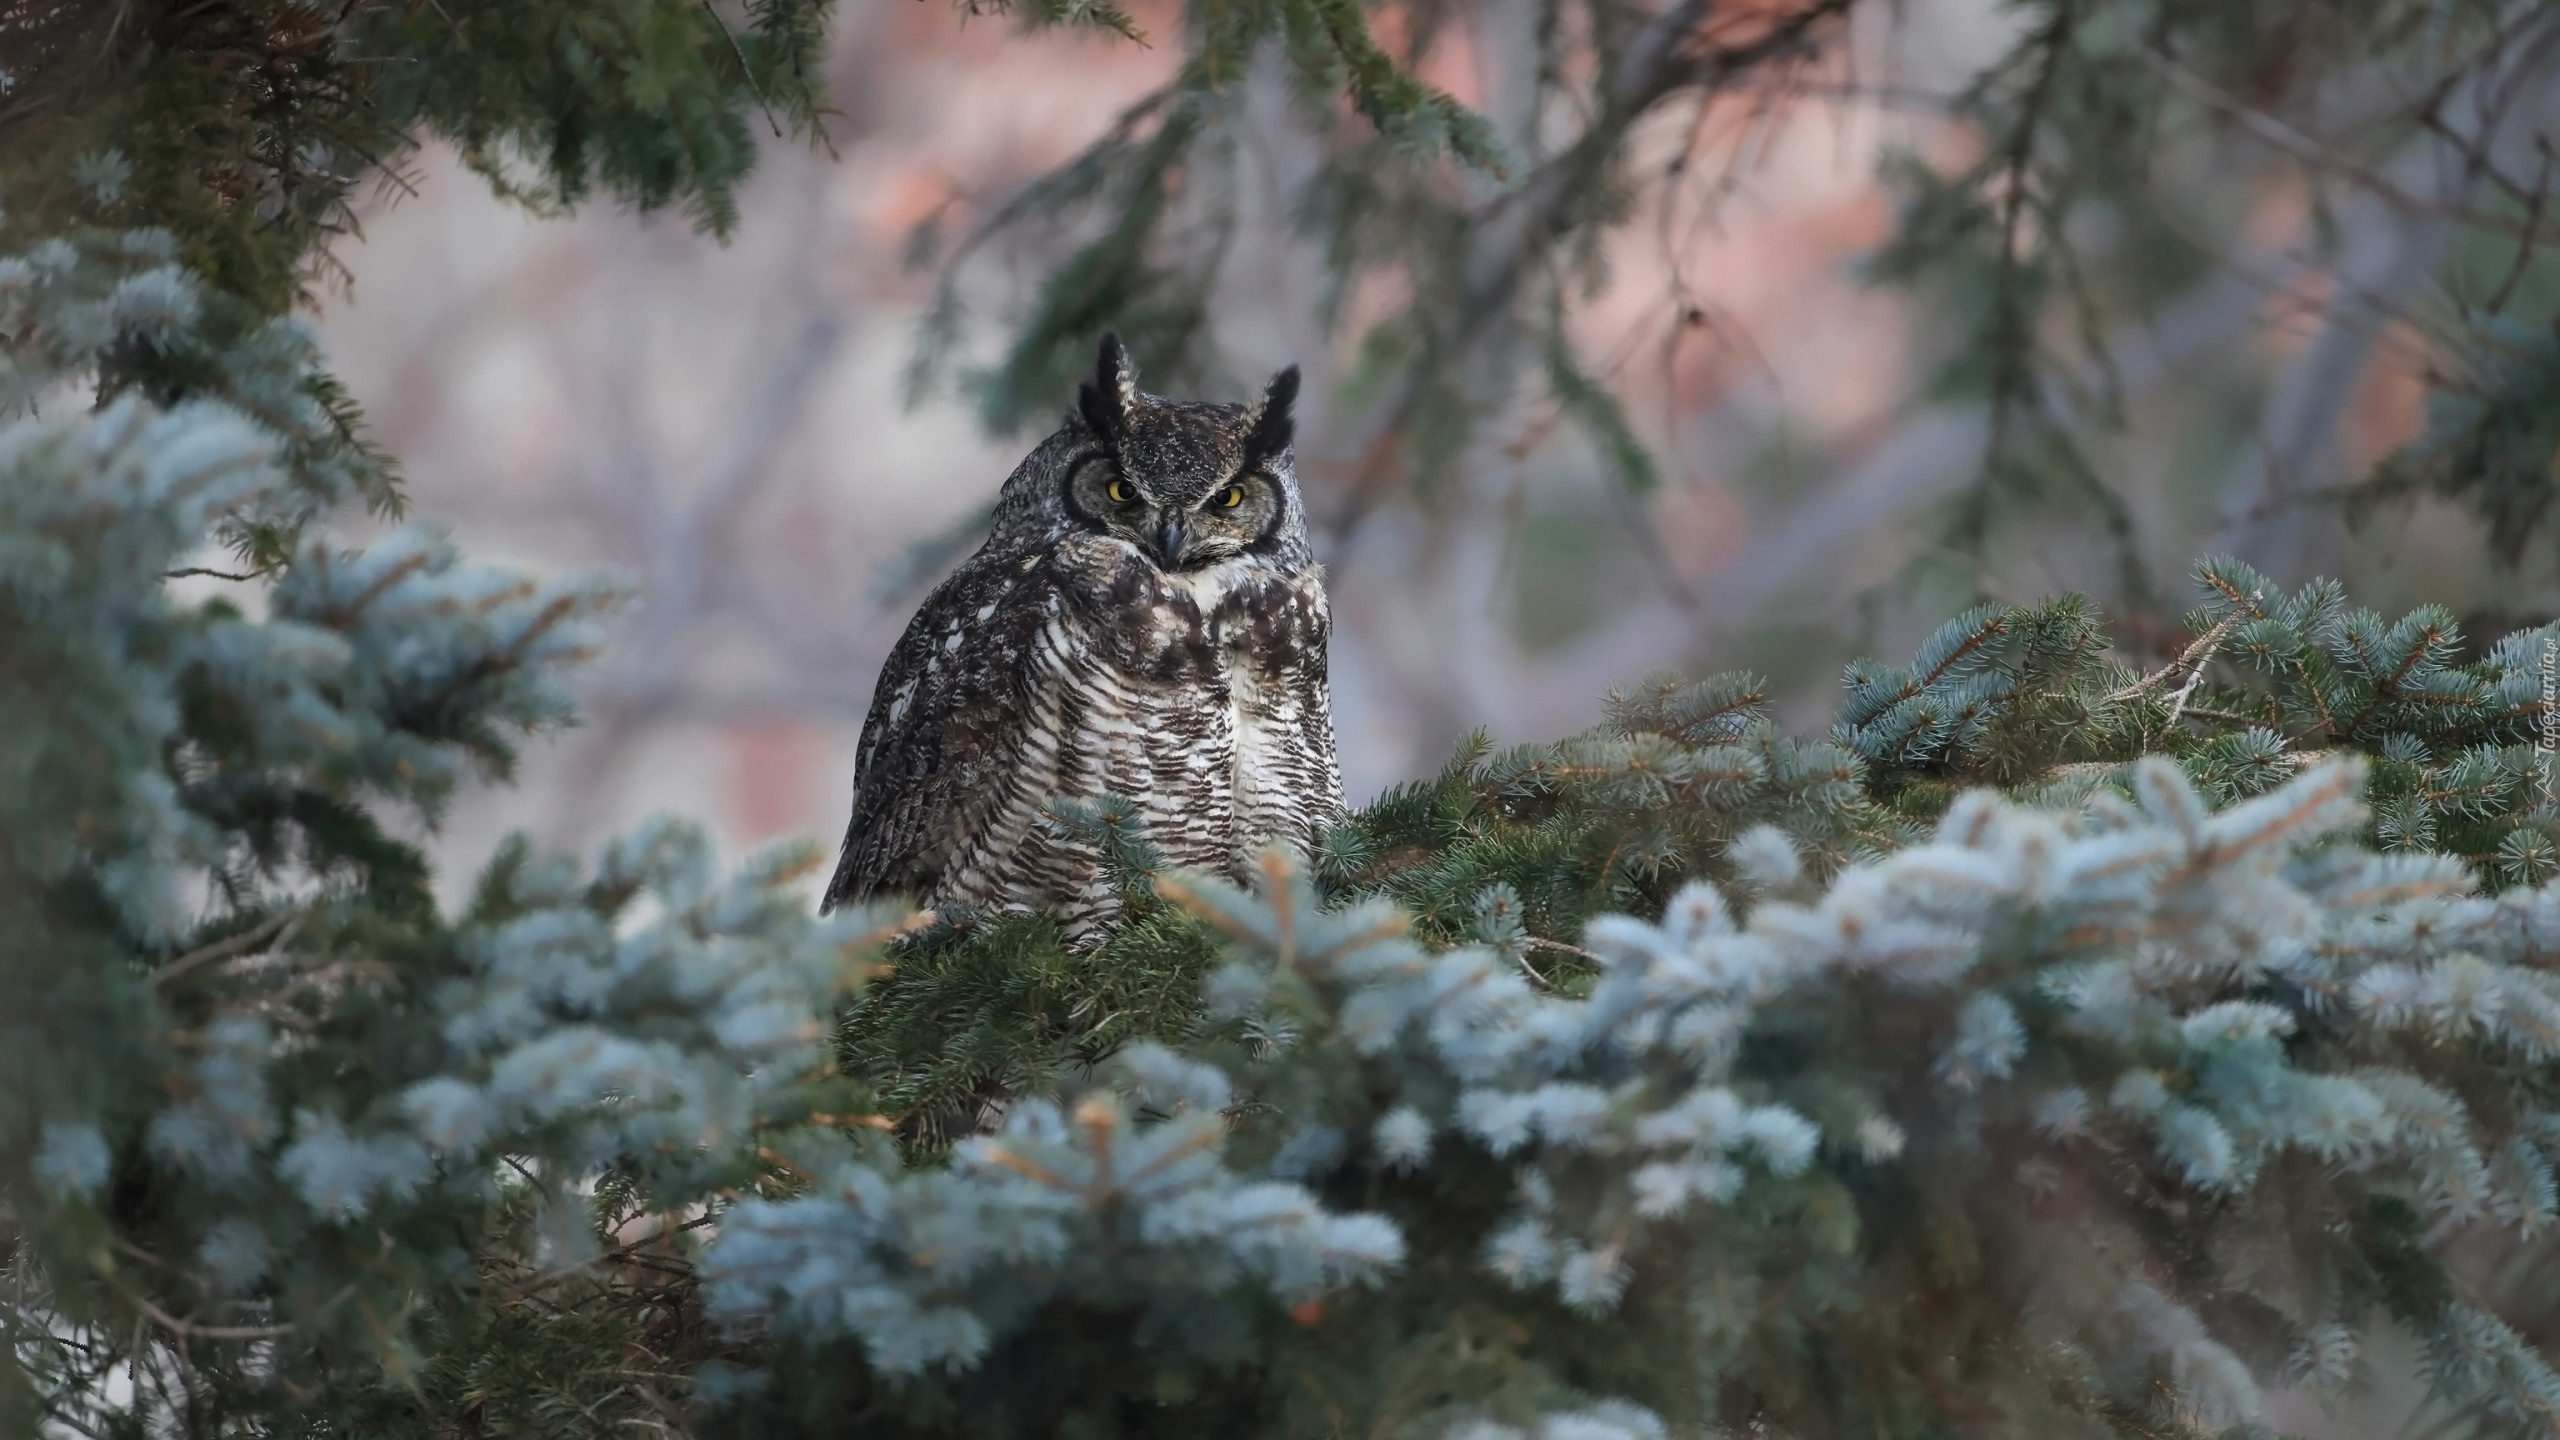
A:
[(1177, 525), (1115, 505), (1224, 522)]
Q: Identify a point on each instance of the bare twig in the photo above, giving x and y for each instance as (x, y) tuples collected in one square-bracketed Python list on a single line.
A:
[(2193, 660), (190, 1330), (2012, 338), (1544, 944), (1659, 61), (2212, 637), (2532, 222), (666, 1408), (2189, 656), (2317, 155), (276, 927)]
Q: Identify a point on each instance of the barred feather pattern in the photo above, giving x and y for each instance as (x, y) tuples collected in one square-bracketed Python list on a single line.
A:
[(1069, 659)]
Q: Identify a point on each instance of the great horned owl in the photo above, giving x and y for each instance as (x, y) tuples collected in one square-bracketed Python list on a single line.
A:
[(1144, 620)]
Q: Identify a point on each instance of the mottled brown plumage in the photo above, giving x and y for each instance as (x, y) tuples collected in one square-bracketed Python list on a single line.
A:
[(1145, 619)]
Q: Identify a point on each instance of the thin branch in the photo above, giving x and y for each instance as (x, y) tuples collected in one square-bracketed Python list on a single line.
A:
[(745, 70), (1882, 97), (666, 1408), (1124, 126), (2532, 221), (2194, 655), (2212, 637), (1656, 64), (2013, 338), (2320, 495), (190, 1330), (1784, 39), (276, 927), (2317, 155), (2491, 111), (1540, 942)]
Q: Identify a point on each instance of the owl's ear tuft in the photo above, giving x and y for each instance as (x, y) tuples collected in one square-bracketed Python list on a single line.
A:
[(1106, 399), (1269, 426)]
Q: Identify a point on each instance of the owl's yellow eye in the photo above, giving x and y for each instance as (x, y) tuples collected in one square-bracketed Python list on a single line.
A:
[(1120, 492), (1233, 498)]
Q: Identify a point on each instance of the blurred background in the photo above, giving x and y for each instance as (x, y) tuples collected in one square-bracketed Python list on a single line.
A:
[(737, 427)]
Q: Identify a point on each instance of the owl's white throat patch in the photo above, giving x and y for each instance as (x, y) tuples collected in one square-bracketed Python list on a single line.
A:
[(1208, 585)]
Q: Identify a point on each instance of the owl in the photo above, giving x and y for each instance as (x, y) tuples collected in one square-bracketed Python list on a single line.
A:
[(1144, 620)]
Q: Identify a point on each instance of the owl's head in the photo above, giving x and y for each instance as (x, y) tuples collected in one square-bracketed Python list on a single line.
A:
[(1187, 483)]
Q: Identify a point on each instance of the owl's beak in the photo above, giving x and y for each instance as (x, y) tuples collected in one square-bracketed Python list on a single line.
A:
[(1169, 542)]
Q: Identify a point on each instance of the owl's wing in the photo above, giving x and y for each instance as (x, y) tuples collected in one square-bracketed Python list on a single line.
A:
[(1312, 682), (952, 724)]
